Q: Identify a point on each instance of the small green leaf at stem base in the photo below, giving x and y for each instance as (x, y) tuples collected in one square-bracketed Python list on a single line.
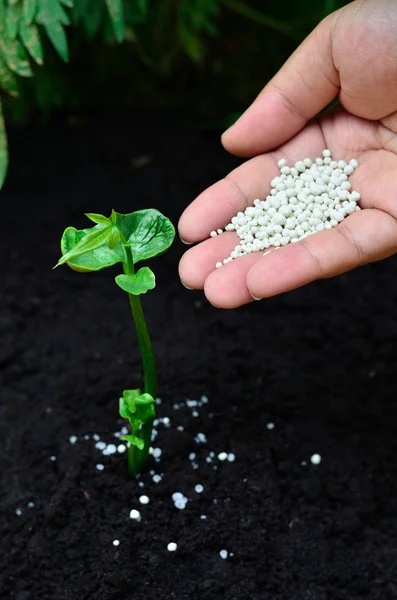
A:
[(139, 283), (138, 409), (134, 440)]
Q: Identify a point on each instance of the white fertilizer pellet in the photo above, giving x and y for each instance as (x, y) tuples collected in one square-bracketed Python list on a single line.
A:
[(156, 478), (222, 456), (144, 499), (156, 452), (199, 489), (18, 512), (270, 426), (53, 458), (110, 449), (177, 496), (100, 467), (223, 554), (135, 515), (231, 457), (121, 449), (315, 459), (180, 500), (116, 542), (310, 197), (73, 439), (172, 547)]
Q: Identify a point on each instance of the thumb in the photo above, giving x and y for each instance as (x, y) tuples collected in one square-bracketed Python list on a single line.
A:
[(306, 83)]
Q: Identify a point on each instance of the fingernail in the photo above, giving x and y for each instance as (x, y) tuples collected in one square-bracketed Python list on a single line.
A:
[(186, 243), (268, 252), (185, 286), (255, 298)]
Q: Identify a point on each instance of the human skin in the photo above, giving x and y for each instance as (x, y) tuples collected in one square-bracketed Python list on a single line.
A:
[(352, 54)]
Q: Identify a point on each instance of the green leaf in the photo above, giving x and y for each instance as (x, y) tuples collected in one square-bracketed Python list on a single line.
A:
[(134, 440), (135, 11), (114, 238), (144, 407), (116, 12), (12, 19), (129, 397), (139, 283), (8, 81), (99, 219), (51, 12), (31, 39), (90, 13), (15, 56), (95, 260), (138, 409), (57, 35), (147, 232), (29, 9), (3, 148), (94, 238)]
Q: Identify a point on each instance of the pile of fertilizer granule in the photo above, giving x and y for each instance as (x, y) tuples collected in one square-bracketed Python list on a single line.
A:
[(310, 197)]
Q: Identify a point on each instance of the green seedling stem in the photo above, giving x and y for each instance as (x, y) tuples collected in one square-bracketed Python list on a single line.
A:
[(127, 239), (137, 458)]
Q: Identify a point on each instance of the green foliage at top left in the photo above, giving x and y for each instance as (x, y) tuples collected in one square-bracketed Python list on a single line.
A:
[(24, 27)]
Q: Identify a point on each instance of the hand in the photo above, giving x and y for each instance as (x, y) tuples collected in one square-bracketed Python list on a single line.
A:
[(353, 54)]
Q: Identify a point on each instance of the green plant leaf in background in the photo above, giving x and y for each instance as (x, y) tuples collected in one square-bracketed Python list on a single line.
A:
[(52, 15), (116, 13), (8, 80), (139, 283), (3, 148), (31, 40), (14, 55), (29, 8), (12, 18), (196, 17)]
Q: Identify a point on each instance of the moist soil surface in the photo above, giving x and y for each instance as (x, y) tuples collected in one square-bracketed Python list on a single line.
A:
[(319, 363)]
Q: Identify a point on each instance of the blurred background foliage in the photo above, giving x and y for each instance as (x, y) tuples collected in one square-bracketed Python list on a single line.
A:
[(208, 58)]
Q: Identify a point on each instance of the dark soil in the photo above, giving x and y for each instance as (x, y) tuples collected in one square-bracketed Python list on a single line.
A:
[(319, 363)]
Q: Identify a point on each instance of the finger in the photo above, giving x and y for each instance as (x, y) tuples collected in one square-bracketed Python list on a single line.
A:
[(364, 237), (305, 85), (215, 207), (198, 262), (227, 287)]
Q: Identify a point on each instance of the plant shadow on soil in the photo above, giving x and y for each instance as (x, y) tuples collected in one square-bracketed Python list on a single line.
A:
[(319, 363)]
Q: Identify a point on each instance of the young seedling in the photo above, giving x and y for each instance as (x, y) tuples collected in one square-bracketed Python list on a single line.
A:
[(126, 239)]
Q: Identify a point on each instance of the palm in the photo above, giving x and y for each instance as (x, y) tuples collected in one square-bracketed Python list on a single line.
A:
[(363, 237)]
